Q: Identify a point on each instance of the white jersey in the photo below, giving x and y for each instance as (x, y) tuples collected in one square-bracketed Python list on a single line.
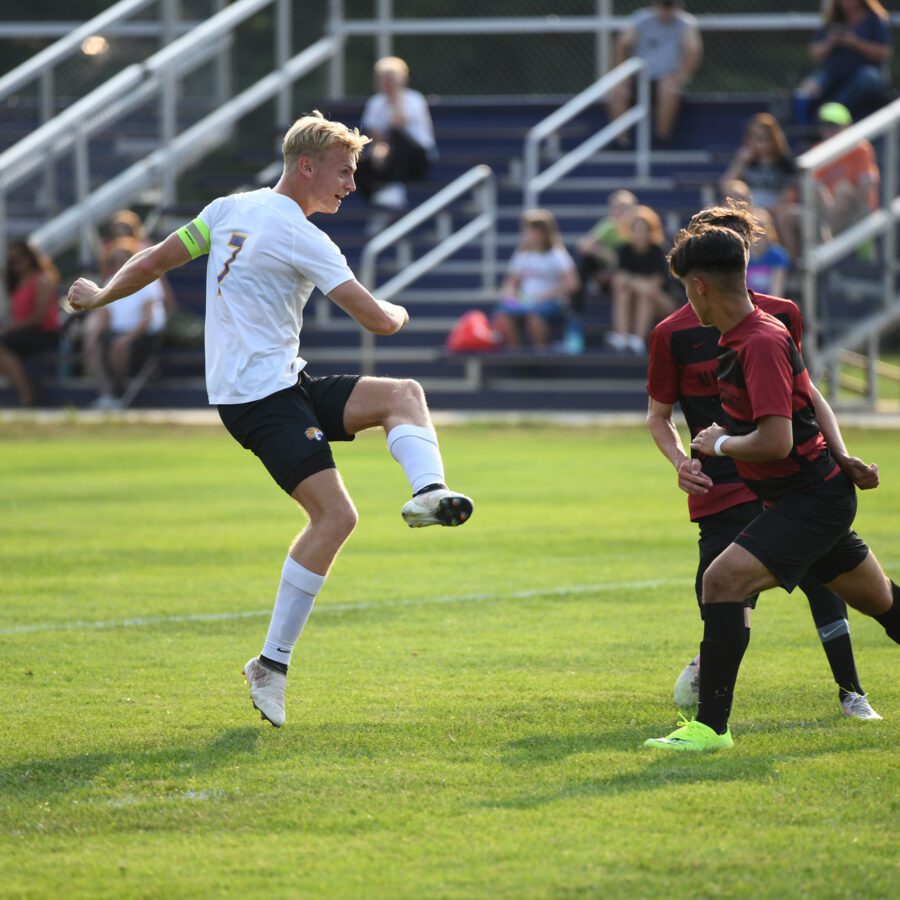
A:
[(265, 257)]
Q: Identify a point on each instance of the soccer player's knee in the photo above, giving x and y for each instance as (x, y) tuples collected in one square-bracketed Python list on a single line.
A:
[(342, 518), (713, 586), (412, 392)]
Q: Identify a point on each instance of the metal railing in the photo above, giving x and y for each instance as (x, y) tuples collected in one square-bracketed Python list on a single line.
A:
[(384, 28), (157, 78), (479, 179), (820, 256), (40, 70), (184, 150), (638, 115)]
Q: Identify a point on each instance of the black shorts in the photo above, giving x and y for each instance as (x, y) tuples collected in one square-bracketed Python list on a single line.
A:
[(290, 430), (717, 532), (808, 532), (29, 341)]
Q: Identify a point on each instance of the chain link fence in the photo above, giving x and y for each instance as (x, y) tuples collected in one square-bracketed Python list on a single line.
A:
[(557, 62)]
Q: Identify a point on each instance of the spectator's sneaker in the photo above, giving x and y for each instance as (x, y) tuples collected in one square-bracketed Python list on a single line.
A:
[(692, 736), (437, 507), (616, 341), (107, 403), (266, 691), (635, 344), (857, 706), (687, 687)]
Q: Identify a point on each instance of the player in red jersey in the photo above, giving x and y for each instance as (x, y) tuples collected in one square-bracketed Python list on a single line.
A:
[(771, 432), (682, 369)]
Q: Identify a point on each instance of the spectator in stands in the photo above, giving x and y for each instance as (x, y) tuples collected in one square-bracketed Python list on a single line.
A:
[(541, 279), (764, 162), (117, 336), (33, 328), (399, 123), (736, 189), (127, 224), (668, 40), (769, 261), (639, 295), (598, 250), (852, 51), (848, 186)]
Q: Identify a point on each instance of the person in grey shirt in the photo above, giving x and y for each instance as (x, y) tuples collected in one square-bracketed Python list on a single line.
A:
[(668, 39)]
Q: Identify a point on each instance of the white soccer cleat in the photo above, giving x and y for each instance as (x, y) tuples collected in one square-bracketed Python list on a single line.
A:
[(687, 687), (857, 706), (437, 507), (266, 691)]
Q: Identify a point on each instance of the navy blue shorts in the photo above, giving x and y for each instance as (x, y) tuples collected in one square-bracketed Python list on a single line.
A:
[(717, 533), (291, 430), (808, 532)]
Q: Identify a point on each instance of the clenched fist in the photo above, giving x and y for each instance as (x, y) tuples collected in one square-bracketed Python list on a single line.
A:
[(84, 294)]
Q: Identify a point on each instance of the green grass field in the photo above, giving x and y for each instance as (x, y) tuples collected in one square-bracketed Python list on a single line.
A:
[(466, 709)]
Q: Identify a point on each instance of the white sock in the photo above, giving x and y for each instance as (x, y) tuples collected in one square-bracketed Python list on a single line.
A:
[(416, 449), (293, 604)]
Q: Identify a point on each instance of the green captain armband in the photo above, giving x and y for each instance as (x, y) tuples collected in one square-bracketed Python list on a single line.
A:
[(195, 236)]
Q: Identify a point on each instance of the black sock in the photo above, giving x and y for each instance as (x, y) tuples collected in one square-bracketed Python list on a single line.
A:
[(437, 486), (839, 651), (890, 620), (273, 664), (724, 640)]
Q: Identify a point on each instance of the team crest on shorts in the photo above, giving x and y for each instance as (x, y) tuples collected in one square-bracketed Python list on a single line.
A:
[(314, 434)]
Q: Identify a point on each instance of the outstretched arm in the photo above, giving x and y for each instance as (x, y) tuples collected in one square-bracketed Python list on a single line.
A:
[(377, 316), (662, 428), (142, 269), (863, 475)]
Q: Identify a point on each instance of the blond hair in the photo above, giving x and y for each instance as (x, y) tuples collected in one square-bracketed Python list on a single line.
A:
[(543, 221), (393, 64), (313, 134)]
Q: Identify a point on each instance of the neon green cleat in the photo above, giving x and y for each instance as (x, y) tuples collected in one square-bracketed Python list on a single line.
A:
[(692, 735)]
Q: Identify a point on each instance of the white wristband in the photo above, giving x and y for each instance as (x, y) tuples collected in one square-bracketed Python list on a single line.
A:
[(717, 447)]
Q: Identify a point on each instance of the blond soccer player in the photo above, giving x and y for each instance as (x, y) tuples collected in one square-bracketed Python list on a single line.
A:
[(264, 258)]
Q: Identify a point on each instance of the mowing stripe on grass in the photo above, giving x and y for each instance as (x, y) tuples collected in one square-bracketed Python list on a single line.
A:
[(145, 621)]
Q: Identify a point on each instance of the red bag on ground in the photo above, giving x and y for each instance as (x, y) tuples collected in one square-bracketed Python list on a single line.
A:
[(472, 333)]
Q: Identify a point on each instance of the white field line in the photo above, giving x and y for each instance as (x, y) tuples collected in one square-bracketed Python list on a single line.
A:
[(145, 621)]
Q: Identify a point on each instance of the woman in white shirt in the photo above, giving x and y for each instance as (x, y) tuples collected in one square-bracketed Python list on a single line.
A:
[(399, 123), (541, 279), (116, 335)]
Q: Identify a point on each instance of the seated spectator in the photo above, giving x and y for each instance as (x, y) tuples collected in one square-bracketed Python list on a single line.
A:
[(853, 52), (118, 336), (639, 295), (769, 261), (766, 165), (399, 123), (668, 40), (541, 279), (598, 250), (127, 224), (736, 189), (33, 328), (848, 186)]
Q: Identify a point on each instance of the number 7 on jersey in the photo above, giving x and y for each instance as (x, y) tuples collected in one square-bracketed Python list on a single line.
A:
[(236, 242)]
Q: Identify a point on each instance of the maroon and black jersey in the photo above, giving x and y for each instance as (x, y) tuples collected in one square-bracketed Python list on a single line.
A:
[(682, 369), (761, 373)]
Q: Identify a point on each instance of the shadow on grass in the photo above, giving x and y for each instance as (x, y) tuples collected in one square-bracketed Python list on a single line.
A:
[(44, 779), (540, 749), (663, 770)]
